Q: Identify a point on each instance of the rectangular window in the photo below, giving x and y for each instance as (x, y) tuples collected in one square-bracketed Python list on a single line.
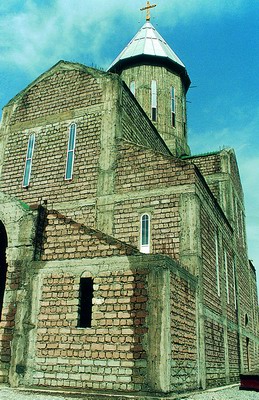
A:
[(173, 106), (28, 162), (132, 87), (153, 101), (217, 262), (226, 274), (85, 303), (71, 151)]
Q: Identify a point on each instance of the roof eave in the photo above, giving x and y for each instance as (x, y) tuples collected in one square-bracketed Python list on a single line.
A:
[(145, 59)]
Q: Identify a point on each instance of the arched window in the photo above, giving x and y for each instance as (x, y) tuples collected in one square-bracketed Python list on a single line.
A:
[(154, 101), (71, 151), (3, 264), (28, 162), (145, 234)]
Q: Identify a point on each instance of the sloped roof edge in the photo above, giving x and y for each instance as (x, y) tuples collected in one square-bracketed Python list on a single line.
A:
[(60, 65)]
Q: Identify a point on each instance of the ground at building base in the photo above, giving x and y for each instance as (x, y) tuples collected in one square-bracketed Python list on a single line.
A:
[(231, 392)]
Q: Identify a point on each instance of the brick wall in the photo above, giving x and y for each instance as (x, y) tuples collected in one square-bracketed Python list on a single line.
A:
[(208, 164), (235, 175), (233, 352), (142, 132), (215, 353), (7, 324), (184, 339), (49, 162), (146, 172), (139, 168), (175, 137), (165, 223), (110, 354), (58, 92), (67, 239)]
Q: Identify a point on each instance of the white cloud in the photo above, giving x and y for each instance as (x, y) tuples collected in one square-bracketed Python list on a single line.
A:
[(182, 11), (35, 35), (43, 35)]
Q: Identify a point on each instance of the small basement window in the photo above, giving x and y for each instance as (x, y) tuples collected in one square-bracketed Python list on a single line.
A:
[(85, 303)]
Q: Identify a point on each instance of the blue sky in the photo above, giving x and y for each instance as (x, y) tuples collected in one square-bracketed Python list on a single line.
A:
[(218, 41)]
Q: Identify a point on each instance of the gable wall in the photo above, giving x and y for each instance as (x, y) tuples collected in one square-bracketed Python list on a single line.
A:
[(48, 109), (57, 93)]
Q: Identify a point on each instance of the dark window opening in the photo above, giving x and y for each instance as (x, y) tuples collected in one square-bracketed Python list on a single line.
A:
[(85, 303), (153, 114), (173, 119), (3, 265)]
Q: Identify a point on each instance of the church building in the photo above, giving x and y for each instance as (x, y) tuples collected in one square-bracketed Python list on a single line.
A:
[(123, 257)]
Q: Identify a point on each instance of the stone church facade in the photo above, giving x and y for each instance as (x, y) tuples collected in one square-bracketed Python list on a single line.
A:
[(123, 257)]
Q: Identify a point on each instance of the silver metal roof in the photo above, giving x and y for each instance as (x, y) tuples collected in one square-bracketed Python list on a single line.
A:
[(147, 42)]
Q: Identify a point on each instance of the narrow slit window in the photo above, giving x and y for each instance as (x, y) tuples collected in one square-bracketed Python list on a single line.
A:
[(184, 115), (154, 101), (133, 87), (226, 272), (145, 234), (234, 282), (85, 303), (71, 151), (217, 262), (28, 162), (173, 107)]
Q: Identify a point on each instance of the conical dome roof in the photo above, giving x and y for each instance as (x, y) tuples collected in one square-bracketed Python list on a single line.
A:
[(149, 47)]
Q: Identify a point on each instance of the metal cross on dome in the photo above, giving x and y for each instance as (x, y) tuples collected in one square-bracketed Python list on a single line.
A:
[(148, 6)]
